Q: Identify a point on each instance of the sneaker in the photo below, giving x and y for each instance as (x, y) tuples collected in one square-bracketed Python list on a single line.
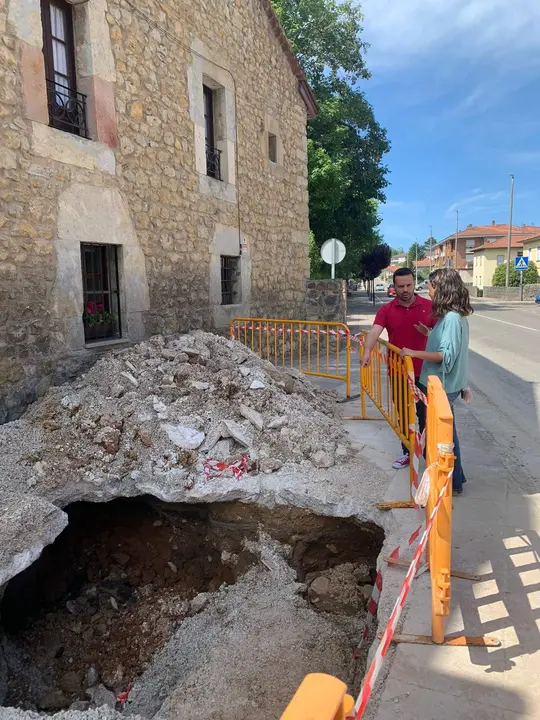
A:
[(401, 462), (457, 492)]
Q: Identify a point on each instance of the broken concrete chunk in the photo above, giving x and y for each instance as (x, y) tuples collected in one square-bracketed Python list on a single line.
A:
[(278, 422), (169, 354), (257, 385), (159, 406), (109, 439), (184, 437), (198, 603), (100, 696), (270, 465), (199, 385), (237, 431), (322, 459), (222, 449), (244, 371), (254, 417), (131, 379), (342, 451)]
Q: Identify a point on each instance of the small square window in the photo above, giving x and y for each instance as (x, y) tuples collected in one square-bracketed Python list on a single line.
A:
[(500, 259), (272, 147), (101, 296), (230, 280)]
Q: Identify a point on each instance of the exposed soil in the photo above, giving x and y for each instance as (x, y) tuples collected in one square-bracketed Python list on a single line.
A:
[(117, 583)]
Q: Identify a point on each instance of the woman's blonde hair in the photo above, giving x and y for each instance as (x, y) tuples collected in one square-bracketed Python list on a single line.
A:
[(451, 295)]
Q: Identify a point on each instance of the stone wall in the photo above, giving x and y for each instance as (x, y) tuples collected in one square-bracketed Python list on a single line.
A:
[(512, 293), (326, 300), (140, 181)]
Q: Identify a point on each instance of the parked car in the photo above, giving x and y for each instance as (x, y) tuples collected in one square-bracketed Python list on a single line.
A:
[(391, 292), (379, 287)]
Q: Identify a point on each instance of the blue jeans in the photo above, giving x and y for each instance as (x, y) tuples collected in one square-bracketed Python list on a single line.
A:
[(458, 477)]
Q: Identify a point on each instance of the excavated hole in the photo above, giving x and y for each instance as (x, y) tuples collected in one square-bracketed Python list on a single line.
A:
[(114, 586)]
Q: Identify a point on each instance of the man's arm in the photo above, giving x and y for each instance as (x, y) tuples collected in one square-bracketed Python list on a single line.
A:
[(370, 342)]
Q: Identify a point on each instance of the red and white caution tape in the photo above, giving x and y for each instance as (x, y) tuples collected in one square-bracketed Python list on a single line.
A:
[(377, 663), (122, 697), (215, 468), (373, 603)]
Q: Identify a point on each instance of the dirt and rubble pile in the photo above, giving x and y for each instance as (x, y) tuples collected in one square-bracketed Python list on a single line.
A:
[(166, 406)]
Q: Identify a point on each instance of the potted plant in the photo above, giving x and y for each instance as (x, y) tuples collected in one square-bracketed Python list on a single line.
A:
[(99, 323)]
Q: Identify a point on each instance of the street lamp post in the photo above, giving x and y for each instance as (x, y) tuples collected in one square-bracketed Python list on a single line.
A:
[(416, 264), (456, 241), (508, 249), (430, 252)]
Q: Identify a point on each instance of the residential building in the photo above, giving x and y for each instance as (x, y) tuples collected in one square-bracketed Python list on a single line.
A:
[(447, 254), (153, 166), (531, 249), (488, 256), (399, 259)]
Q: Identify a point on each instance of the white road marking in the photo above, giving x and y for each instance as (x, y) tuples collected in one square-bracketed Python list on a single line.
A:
[(505, 322)]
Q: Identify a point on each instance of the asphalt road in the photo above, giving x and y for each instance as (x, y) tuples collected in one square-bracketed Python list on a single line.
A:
[(504, 374), (504, 370)]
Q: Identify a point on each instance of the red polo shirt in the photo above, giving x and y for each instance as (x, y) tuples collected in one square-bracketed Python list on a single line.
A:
[(399, 322)]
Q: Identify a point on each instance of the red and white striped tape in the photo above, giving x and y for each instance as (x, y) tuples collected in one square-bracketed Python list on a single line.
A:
[(294, 331), (377, 663), (215, 468), (373, 603)]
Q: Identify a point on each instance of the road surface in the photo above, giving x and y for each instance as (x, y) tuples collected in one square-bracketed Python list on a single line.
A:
[(504, 374)]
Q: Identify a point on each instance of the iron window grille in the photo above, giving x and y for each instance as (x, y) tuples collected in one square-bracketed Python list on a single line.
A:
[(230, 280), (67, 107), (101, 315), (213, 162)]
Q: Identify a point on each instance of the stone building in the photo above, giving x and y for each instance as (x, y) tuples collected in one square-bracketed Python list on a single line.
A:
[(153, 173)]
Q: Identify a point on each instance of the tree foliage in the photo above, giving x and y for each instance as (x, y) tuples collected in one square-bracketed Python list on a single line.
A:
[(530, 276), (411, 254), (374, 261), (345, 143)]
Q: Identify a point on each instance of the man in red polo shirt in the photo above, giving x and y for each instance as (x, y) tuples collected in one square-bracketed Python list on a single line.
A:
[(408, 320)]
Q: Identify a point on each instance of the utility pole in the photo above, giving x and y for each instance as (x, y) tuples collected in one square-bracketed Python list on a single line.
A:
[(416, 265), (508, 249), (430, 243), (456, 241)]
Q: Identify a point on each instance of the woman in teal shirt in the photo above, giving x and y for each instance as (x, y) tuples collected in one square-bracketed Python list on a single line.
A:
[(446, 353)]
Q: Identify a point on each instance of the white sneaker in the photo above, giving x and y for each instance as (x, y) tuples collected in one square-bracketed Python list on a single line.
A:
[(401, 462)]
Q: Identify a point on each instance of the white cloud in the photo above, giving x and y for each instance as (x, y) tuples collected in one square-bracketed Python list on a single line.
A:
[(405, 31), (477, 202)]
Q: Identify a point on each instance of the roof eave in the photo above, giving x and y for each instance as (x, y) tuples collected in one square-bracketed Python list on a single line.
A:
[(306, 93)]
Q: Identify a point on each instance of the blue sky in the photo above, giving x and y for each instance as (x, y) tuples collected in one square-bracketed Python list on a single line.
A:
[(456, 83)]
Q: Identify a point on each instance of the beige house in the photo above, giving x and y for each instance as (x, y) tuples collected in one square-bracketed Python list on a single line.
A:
[(487, 257), (153, 166), (531, 249)]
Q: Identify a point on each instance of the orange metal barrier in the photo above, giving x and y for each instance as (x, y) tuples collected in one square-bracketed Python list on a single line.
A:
[(319, 697), (315, 348), (386, 382), (326, 699), (440, 454)]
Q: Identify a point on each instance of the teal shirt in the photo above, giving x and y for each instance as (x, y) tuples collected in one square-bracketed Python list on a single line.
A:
[(450, 336)]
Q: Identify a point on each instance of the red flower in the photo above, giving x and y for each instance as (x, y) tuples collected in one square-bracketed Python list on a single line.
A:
[(91, 308)]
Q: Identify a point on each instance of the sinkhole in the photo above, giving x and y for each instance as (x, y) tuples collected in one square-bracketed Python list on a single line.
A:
[(85, 621)]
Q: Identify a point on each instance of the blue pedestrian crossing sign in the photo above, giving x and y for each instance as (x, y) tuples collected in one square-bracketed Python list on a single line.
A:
[(521, 263)]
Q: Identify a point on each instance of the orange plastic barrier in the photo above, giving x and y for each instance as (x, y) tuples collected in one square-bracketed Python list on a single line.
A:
[(319, 697)]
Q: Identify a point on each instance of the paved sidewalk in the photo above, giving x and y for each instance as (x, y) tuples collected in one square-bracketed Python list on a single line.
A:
[(495, 535)]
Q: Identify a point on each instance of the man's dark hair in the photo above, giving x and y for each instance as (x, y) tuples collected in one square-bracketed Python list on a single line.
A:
[(401, 272)]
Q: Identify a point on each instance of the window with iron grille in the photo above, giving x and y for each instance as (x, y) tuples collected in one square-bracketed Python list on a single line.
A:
[(213, 154), (67, 107), (230, 280), (101, 316)]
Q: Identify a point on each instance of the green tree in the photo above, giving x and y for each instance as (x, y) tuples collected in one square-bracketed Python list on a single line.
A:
[(411, 254), (346, 145), (530, 276)]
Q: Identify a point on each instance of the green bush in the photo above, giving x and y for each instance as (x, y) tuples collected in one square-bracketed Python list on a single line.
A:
[(530, 276)]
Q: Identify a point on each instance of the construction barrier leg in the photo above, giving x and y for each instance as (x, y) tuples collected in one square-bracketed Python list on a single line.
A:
[(319, 697)]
